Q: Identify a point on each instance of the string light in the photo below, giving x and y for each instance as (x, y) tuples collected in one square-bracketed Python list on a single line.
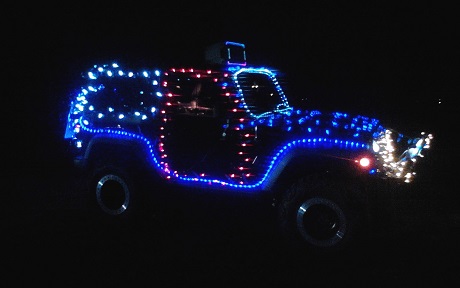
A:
[(305, 129)]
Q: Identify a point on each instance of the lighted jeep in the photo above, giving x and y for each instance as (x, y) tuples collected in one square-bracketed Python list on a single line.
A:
[(228, 128)]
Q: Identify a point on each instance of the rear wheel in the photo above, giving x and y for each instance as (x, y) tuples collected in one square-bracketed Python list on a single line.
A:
[(114, 194)]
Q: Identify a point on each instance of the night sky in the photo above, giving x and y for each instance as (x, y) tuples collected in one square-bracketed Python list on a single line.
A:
[(393, 62)]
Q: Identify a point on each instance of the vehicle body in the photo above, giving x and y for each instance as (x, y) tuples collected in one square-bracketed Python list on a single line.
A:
[(228, 128)]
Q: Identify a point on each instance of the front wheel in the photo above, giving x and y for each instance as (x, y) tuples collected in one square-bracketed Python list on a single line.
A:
[(319, 214), (321, 222)]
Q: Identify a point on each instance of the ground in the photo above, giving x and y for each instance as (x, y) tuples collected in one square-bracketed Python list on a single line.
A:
[(50, 238)]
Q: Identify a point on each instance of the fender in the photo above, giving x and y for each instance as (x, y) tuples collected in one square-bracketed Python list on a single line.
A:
[(110, 144), (303, 160)]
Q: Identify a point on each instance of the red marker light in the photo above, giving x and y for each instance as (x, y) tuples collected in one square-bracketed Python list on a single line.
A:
[(364, 162)]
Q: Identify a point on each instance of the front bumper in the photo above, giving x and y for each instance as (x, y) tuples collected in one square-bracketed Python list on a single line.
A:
[(398, 156)]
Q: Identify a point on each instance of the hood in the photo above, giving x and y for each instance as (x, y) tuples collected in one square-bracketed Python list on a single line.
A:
[(395, 154)]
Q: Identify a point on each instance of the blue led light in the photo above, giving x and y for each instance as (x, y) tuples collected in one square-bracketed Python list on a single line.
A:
[(285, 104), (315, 142), (305, 129)]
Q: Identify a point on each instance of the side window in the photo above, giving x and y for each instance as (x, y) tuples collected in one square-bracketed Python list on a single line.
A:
[(120, 102)]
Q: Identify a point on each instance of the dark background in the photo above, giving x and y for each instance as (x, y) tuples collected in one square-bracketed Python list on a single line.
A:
[(394, 61), (382, 60)]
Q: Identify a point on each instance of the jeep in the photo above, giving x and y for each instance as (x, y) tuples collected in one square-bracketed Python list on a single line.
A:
[(228, 128)]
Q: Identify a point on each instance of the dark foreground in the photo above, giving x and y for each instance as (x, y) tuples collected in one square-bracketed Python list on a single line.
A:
[(49, 238)]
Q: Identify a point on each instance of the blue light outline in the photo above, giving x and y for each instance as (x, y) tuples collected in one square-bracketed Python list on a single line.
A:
[(275, 159), (272, 77)]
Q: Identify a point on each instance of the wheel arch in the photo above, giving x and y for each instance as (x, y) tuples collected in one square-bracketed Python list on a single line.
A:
[(122, 166), (300, 164), (127, 153)]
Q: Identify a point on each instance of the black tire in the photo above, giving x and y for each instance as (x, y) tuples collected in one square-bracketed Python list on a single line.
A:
[(317, 214), (114, 194)]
